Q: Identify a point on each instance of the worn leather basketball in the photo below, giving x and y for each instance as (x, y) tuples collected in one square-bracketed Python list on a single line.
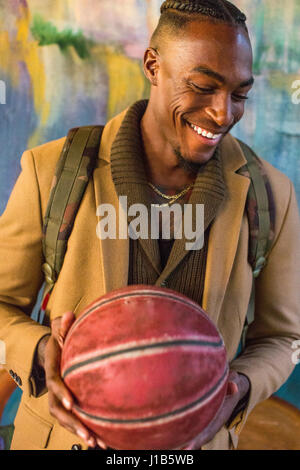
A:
[(147, 368)]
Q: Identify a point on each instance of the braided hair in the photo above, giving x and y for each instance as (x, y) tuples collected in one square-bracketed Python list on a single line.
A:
[(217, 9), (176, 15)]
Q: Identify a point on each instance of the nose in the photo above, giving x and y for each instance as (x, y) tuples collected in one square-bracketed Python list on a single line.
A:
[(220, 110)]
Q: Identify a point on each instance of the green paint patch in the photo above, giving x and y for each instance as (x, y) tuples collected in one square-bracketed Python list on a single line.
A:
[(6, 434), (46, 34), (276, 38)]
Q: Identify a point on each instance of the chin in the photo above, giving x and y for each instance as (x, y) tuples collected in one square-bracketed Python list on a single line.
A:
[(196, 148), (202, 157), (192, 163)]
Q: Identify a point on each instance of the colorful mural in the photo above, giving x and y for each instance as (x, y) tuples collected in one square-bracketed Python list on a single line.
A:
[(272, 122), (68, 63), (65, 63)]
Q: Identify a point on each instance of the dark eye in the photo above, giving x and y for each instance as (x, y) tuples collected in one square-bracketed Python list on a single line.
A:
[(240, 97), (202, 89)]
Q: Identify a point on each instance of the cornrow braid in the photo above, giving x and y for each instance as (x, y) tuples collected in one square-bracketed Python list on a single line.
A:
[(217, 9), (177, 14)]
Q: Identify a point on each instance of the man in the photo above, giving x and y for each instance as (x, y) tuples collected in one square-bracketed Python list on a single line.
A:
[(177, 146)]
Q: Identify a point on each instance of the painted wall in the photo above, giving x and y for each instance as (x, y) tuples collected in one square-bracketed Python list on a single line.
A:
[(65, 63)]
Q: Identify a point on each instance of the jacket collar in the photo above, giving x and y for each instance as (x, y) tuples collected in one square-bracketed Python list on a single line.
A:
[(224, 235), (232, 155), (130, 179)]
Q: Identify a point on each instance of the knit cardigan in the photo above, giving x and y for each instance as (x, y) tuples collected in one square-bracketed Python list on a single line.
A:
[(182, 270)]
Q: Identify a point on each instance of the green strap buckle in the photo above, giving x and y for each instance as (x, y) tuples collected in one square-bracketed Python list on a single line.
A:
[(260, 264), (49, 274)]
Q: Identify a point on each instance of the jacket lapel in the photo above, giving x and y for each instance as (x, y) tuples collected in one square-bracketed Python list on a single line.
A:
[(114, 253), (100, 265), (224, 235)]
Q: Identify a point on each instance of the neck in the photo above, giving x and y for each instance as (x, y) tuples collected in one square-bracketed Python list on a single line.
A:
[(161, 162)]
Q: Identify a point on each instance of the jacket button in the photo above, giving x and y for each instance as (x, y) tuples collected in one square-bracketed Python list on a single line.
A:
[(19, 381), (13, 374), (76, 447)]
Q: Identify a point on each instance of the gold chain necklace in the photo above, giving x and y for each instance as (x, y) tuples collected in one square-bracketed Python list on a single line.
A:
[(171, 199)]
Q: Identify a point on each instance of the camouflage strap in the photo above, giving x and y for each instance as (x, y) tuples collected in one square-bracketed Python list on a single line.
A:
[(260, 208), (73, 171)]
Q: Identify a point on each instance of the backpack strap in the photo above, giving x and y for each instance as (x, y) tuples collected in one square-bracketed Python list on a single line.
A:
[(260, 208), (72, 174)]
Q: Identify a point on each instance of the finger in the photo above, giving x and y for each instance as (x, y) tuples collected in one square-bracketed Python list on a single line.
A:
[(69, 421), (58, 388), (67, 321), (101, 443), (55, 327), (232, 388), (190, 446), (233, 376), (232, 384), (53, 380)]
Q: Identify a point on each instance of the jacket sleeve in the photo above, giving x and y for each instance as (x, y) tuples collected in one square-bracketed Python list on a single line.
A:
[(268, 356), (21, 275)]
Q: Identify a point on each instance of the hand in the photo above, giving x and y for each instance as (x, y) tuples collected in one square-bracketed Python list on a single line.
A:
[(60, 399), (237, 388)]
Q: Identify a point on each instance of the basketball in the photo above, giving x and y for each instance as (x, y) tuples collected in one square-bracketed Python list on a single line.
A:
[(147, 368)]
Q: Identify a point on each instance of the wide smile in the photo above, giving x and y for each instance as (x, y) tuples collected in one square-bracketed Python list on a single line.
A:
[(205, 135)]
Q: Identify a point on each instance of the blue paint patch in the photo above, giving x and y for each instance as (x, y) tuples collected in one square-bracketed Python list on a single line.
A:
[(11, 408), (268, 115), (18, 121), (290, 391)]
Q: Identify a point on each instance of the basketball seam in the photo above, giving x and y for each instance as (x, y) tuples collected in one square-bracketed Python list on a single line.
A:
[(170, 344), (165, 416), (100, 303)]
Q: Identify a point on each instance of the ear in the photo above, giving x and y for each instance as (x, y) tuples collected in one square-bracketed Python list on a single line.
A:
[(151, 65)]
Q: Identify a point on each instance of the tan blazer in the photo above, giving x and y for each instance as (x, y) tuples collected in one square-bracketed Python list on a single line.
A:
[(93, 267)]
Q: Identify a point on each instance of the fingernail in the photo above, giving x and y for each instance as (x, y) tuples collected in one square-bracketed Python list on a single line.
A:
[(91, 442), (101, 444), (66, 404), (82, 435)]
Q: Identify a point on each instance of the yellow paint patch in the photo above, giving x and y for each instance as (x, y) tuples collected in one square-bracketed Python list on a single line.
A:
[(6, 57), (29, 50), (127, 82), (23, 48), (282, 81)]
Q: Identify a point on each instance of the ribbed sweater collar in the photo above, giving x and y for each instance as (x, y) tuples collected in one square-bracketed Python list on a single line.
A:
[(129, 176), (127, 164)]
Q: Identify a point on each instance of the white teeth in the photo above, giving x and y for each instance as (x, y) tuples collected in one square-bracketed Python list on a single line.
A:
[(207, 134)]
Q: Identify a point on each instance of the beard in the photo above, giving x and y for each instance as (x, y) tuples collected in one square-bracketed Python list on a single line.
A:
[(186, 164)]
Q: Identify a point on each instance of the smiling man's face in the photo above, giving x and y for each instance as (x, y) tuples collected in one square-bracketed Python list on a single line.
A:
[(201, 84)]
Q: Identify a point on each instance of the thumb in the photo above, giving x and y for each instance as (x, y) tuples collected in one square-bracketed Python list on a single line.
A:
[(67, 321), (232, 386)]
